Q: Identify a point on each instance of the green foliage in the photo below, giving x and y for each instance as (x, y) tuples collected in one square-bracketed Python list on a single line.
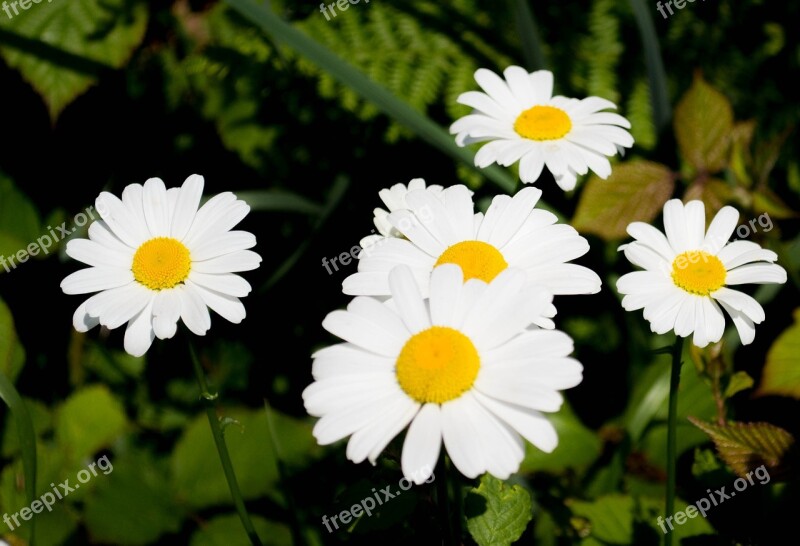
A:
[(66, 45), (635, 192), (610, 518), (577, 447), (781, 372), (19, 221), (497, 513)]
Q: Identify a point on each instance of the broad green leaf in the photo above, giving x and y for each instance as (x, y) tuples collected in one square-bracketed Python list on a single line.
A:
[(635, 192), (738, 382), (782, 371), (768, 201), (60, 48), (279, 201), (497, 513), (227, 531), (610, 517), (703, 125), (651, 508), (745, 446), (89, 420), (197, 472), (19, 224), (577, 447), (12, 357), (358, 81), (132, 504)]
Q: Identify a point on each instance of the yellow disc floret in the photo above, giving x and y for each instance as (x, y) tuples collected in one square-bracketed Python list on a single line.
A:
[(478, 260), (698, 272), (543, 123), (161, 263), (437, 365)]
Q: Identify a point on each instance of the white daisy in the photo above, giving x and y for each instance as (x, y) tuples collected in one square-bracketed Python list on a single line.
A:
[(395, 199), (445, 229), (462, 368), (522, 121), (156, 258), (687, 273)]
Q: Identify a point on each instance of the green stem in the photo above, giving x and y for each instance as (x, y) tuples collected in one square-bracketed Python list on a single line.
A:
[(222, 449), (674, 382), (443, 500)]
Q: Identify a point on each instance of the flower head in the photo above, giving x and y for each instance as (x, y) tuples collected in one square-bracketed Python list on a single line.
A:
[(521, 120), (444, 229), (687, 274), (156, 258), (463, 368)]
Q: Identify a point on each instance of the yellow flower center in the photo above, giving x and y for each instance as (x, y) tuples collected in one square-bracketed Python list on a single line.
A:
[(543, 123), (698, 272), (437, 365), (478, 260), (161, 263)]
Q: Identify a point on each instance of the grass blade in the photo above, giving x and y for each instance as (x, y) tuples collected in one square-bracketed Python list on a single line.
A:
[(529, 36), (662, 111)]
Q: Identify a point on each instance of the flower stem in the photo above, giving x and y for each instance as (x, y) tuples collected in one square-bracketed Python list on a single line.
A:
[(443, 500), (674, 382), (222, 449)]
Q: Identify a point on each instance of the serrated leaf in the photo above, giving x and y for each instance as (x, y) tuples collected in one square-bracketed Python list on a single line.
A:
[(62, 46), (703, 124), (738, 382), (782, 371), (497, 513), (610, 517), (635, 192), (745, 446)]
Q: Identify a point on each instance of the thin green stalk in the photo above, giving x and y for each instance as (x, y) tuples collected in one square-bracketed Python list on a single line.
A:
[(674, 382), (222, 449), (443, 500)]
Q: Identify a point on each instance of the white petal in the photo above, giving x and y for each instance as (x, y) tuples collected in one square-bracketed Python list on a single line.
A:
[(695, 212), (741, 302), (186, 206), (166, 312), (363, 333), (99, 232), (82, 321), (156, 207), (514, 216), (225, 243), (422, 444), (756, 274), (194, 312), (228, 307), (224, 283), (542, 82), (139, 334), (95, 279), (408, 300), (119, 219), (446, 284), (531, 424), (497, 89), (675, 224), (745, 327), (242, 260), (720, 230), (652, 237), (95, 254)]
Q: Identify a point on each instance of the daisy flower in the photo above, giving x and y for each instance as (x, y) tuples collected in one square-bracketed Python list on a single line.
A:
[(395, 199), (156, 258), (445, 230), (521, 120), (687, 273), (460, 368)]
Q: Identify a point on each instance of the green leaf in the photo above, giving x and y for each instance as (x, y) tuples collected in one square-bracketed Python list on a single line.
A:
[(768, 201), (61, 47), (89, 420), (635, 192), (227, 531), (738, 382), (349, 75), (279, 201), (577, 447), (12, 356), (19, 223), (196, 470), (42, 423), (703, 127), (651, 508), (782, 371), (745, 446), (610, 517), (136, 484), (497, 513)]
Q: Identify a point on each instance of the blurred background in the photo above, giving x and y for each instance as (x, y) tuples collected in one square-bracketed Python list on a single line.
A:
[(99, 94)]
